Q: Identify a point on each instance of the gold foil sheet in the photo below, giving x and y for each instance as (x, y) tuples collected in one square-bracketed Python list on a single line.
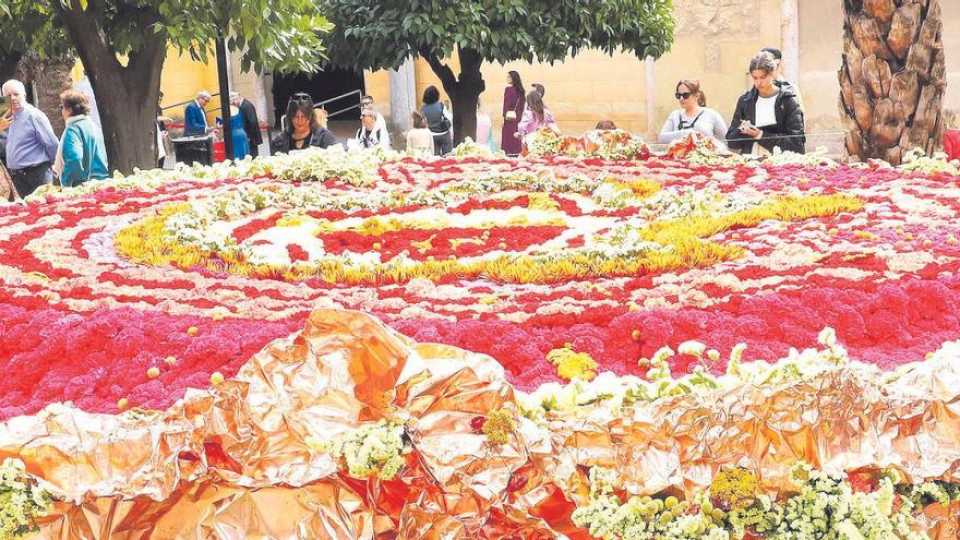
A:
[(233, 461)]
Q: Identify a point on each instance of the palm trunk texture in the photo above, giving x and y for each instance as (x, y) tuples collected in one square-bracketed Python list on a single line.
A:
[(893, 77)]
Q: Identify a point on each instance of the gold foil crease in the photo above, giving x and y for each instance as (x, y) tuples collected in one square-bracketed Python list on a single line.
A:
[(233, 461)]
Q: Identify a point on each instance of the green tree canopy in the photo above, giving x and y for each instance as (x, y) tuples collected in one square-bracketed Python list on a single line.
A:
[(29, 27), (378, 34)]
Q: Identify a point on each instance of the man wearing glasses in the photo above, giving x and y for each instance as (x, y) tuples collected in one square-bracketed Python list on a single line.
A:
[(369, 135), (195, 119), (366, 102), (31, 143)]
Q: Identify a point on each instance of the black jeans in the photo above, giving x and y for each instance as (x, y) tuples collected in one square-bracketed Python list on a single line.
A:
[(28, 179)]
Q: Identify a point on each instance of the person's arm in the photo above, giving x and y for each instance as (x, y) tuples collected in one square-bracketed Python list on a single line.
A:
[(328, 139), (792, 126), (254, 124), (46, 136), (526, 122), (669, 131), (733, 131), (385, 139), (551, 121), (719, 126), (72, 158)]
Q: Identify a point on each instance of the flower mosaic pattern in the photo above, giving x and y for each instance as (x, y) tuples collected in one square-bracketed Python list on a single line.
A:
[(513, 258)]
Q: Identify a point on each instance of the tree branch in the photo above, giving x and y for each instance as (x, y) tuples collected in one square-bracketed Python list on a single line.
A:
[(443, 71), (87, 35)]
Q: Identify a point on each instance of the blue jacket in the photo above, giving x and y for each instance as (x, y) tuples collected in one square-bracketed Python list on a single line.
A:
[(84, 156), (195, 121)]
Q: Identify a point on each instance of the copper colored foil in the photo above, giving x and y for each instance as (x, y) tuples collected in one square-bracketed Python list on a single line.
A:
[(233, 462)]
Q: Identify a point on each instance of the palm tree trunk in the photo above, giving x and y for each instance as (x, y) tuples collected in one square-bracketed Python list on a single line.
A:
[(893, 77)]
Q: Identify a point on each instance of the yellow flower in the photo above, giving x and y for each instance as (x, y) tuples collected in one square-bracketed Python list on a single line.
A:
[(735, 487), (498, 426), (572, 365)]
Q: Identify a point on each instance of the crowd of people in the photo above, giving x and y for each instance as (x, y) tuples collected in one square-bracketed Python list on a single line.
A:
[(767, 116), (36, 157)]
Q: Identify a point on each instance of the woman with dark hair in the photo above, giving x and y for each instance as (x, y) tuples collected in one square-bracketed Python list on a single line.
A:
[(767, 116), (513, 108), (437, 121), (693, 115), (302, 130), (82, 155), (536, 116)]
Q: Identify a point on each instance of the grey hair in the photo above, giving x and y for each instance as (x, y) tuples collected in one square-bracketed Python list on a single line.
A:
[(13, 83), (763, 62), (203, 94)]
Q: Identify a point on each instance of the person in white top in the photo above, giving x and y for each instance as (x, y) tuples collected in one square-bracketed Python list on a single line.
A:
[(369, 135), (366, 102), (767, 116), (693, 115), (419, 139)]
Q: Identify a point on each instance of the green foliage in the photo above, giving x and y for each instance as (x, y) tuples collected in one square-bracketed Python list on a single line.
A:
[(375, 34), (30, 26), (283, 35)]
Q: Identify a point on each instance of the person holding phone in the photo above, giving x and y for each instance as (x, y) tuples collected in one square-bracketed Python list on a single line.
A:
[(767, 116), (31, 144)]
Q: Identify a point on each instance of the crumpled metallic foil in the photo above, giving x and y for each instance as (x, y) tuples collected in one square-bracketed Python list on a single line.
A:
[(234, 461)]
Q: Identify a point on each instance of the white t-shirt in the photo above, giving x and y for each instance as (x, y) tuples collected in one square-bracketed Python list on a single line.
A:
[(766, 111)]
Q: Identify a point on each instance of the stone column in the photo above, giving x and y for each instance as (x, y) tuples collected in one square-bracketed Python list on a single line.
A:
[(790, 35), (403, 95), (650, 83)]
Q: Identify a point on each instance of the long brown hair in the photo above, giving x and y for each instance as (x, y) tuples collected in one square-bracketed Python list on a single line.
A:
[(535, 104), (694, 88), (515, 82)]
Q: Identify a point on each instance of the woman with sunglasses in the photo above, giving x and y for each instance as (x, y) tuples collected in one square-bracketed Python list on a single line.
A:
[(301, 129), (693, 115)]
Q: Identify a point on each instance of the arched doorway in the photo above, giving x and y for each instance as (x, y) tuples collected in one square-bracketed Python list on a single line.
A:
[(328, 83)]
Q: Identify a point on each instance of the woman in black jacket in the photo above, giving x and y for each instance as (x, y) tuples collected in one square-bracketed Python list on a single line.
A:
[(302, 129), (768, 115)]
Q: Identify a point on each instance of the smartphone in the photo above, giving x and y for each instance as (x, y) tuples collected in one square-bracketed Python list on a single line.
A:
[(4, 105)]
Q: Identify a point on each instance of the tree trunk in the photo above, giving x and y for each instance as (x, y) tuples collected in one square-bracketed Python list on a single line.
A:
[(50, 77), (8, 65), (464, 91), (893, 77), (126, 95)]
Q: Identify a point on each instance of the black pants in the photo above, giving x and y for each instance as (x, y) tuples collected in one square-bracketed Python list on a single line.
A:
[(28, 179)]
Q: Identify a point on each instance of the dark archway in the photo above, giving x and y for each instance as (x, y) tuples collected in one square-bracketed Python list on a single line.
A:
[(326, 84)]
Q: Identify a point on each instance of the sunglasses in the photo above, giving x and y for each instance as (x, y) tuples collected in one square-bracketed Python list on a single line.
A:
[(683, 95), (301, 97)]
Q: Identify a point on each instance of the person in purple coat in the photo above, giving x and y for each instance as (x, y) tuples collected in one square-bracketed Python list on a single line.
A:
[(513, 105)]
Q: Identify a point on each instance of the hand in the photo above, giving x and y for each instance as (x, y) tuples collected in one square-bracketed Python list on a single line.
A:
[(5, 122), (518, 135), (750, 130)]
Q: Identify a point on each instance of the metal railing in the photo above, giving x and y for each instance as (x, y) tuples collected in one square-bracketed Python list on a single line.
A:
[(337, 98), (189, 101)]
